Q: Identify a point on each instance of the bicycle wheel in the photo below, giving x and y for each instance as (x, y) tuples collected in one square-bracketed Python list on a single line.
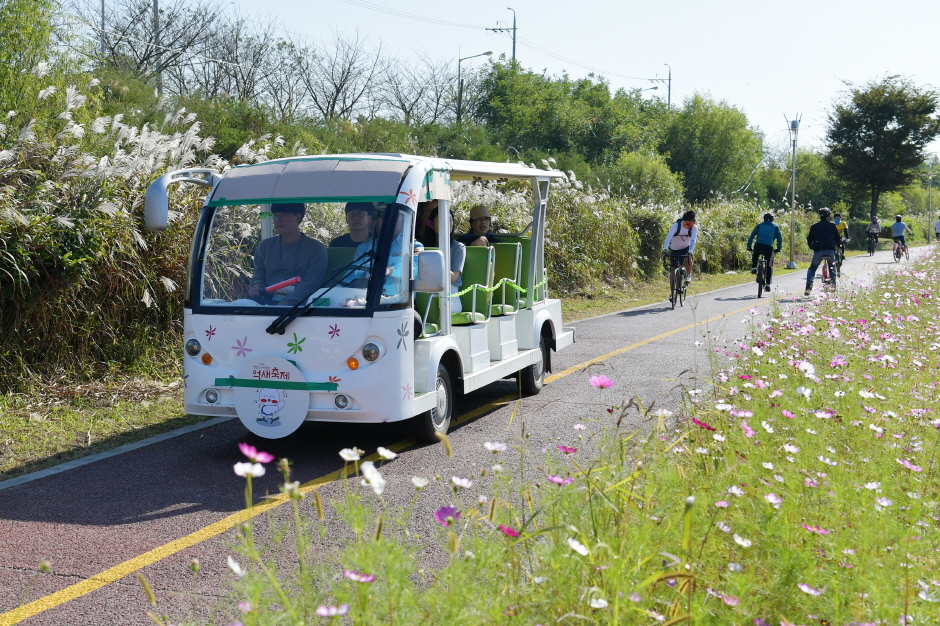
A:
[(871, 246), (760, 278), (897, 254), (676, 282), (683, 288), (907, 254), (833, 276)]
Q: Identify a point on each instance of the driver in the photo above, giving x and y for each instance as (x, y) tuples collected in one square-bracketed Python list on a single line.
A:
[(291, 254)]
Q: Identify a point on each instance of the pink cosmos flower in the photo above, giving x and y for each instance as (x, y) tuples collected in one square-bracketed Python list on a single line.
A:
[(748, 431), (809, 482), (884, 501), (566, 449), (741, 413), (509, 532), (601, 382), (909, 465), (813, 591), (729, 600), (838, 361), (244, 607), (357, 577), (787, 414), (816, 529), (558, 480), (447, 514), (332, 611), (252, 453), (722, 504), (774, 500), (702, 424), (465, 483)]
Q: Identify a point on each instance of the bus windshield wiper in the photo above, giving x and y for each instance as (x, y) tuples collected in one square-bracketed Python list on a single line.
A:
[(279, 325)]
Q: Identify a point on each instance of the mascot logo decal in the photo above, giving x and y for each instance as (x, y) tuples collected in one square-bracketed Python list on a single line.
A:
[(271, 403)]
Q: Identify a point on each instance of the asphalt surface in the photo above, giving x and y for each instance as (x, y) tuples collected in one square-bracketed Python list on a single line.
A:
[(88, 520)]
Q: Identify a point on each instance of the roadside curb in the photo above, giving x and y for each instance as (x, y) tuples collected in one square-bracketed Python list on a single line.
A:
[(19, 480)]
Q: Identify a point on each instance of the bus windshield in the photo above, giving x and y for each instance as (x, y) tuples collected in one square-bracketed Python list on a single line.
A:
[(300, 260)]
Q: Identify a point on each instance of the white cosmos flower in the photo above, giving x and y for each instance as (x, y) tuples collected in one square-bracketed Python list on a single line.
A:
[(235, 567), (866, 394), (767, 427), (790, 448), (757, 351), (577, 546), (741, 541), (386, 454), (598, 603), (494, 446), (718, 437), (723, 527), (372, 478), (350, 454), (806, 392), (735, 491), (249, 469), (466, 483), (724, 407), (769, 466), (419, 482), (873, 486)]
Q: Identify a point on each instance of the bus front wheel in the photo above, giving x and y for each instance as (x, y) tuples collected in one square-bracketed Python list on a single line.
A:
[(437, 420), (533, 377)]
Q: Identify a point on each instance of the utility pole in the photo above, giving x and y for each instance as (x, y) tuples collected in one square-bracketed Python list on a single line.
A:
[(669, 87), (506, 30), (102, 32), (794, 129), (930, 174)]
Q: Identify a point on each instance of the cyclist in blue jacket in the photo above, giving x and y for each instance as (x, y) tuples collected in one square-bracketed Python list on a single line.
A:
[(767, 234)]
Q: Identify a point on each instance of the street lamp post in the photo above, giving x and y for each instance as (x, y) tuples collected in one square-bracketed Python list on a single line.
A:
[(669, 87), (794, 129), (460, 80), (513, 33), (930, 174)]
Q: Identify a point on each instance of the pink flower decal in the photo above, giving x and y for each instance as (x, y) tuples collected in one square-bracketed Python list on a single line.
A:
[(601, 382), (240, 347), (509, 532), (408, 392), (210, 333), (335, 379), (254, 454), (334, 331), (447, 514), (566, 449), (410, 197)]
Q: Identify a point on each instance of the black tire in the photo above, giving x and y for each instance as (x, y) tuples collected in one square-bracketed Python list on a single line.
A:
[(682, 287), (674, 293), (760, 279), (532, 378), (833, 277), (437, 420), (907, 254), (897, 255)]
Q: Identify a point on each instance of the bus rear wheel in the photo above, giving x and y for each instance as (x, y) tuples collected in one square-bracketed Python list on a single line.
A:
[(437, 420), (533, 377)]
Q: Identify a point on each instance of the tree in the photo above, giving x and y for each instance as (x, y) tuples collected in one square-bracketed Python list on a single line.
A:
[(24, 42), (712, 146), (877, 135)]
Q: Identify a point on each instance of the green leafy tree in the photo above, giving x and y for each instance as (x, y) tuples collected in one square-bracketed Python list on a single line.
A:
[(645, 178), (877, 135), (712, 146), (25, 36)]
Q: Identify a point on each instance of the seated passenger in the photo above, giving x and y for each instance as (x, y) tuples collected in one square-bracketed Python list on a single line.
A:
[(458, 255), (479, 234), (423, 231), (360, 217), (291, 254), (393, 286)]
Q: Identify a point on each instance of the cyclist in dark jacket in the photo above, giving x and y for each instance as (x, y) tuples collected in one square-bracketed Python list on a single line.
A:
[(823, 238), (767, 234)]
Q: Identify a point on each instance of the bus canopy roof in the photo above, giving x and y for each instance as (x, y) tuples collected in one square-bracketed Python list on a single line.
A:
[(348, 177)]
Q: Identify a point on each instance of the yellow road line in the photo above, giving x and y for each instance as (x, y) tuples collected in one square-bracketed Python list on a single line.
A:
[(137, 563)]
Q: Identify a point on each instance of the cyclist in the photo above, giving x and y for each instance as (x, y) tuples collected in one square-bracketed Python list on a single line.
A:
[(936, 228), (680, 242), (843, 228), (767, 234), (897, 233), (822, 239), (874, 229)]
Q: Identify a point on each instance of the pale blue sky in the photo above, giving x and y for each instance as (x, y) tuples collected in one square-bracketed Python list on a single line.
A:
[(769, 59)]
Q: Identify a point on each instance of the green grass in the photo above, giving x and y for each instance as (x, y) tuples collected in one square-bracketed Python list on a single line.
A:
[(799, 485), (65, 422)]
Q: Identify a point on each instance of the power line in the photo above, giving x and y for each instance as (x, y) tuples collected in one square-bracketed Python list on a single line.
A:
[(412, 16)]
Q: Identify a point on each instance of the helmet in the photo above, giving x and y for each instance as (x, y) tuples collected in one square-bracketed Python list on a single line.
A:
[(688, 216), (824, 212), (897, 218), (768, 217)]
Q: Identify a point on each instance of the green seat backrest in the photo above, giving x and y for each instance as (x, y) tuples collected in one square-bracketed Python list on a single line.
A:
[(338, 257), (508, 262), (524, 280), (478, 272)]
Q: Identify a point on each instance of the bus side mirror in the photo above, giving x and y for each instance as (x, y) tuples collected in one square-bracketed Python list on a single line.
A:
[(430, 273), (157, 204)]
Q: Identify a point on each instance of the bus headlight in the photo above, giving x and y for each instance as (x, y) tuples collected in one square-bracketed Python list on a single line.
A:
[(370, 352), (341, 401), (212, 396), (193, 347)]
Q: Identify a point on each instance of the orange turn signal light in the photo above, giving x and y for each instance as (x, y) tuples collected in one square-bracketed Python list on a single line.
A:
[(352, 362), (206, 358)]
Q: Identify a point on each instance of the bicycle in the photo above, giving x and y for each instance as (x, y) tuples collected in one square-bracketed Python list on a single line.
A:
[(900, 250), (677, 275), (829, 273), (872, 244), (764, 266)]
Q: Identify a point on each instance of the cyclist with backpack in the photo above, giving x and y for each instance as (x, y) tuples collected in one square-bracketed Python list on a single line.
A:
[(680, 243), (822, 239), (767, 234)]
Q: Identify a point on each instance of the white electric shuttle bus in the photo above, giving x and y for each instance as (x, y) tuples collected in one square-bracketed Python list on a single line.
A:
[(376, 340)]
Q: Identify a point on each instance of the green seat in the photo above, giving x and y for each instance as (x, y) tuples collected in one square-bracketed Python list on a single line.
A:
[(525, 281), (338, 257), (478, 276), (507, 268), (430, 312)]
